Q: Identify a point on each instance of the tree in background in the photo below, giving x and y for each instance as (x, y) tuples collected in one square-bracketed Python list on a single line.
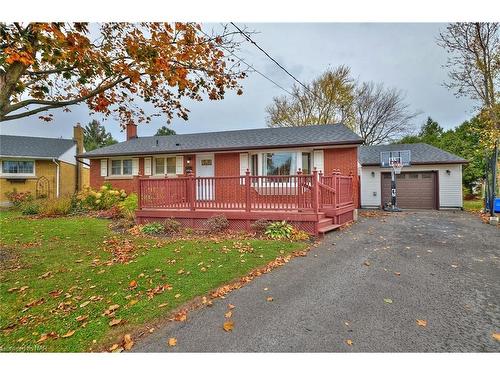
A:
[(44, 66), (165, 131), (95, 136), (464, 141), (381, 114), (429, 133), (326, 100), (376, 113), (474, 69)]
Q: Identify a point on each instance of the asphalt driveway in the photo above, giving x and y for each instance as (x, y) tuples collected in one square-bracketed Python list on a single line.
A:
[(441, 267)]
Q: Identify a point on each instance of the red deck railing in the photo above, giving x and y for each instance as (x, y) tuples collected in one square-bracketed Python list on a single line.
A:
[(298, 192)]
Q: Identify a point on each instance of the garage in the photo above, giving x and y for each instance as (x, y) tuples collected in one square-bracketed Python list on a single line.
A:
[(414, 189), (431, 178)]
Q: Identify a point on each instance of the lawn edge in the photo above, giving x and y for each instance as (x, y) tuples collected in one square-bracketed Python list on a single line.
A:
[(198, 302)]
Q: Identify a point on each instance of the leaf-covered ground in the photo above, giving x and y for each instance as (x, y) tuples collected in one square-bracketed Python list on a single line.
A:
[(70, 284)]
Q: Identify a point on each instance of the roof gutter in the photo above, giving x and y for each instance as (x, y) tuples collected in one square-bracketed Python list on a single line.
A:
[(421, 163), (57, 176)]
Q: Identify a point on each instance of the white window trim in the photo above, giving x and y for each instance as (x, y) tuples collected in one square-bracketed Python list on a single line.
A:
[(110, 167), (262, 170), (165, 168), (21, 175)]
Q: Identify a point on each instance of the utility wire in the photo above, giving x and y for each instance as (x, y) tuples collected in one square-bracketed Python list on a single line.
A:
[(251, 67), (270, 57)]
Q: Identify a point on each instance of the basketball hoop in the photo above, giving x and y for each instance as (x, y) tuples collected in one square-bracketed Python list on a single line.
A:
[(396, 167), (396, 164)]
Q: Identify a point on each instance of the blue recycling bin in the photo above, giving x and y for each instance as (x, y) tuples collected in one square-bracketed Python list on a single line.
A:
[(496, 206)]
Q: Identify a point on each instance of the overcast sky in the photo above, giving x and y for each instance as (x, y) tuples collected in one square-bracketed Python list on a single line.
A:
[(404, 56)]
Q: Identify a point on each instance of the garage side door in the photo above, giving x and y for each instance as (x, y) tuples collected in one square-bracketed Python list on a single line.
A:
[(414, 189)]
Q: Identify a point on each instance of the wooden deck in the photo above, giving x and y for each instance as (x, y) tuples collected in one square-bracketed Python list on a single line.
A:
[(313, 203)]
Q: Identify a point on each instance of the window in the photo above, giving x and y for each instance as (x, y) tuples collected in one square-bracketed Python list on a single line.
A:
[(254, 164), (280, 163), (18, 167), (171, 165), (306, 162), (160, 164), (121, 167)]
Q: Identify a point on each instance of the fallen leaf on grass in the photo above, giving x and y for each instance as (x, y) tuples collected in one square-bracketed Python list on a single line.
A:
[(269, 299), (230, 307), (113, 347), (68, 334), (172, 341), (177, 295), (114, 322), (496, 336), (85, 304), (349, 342), (422, 323), (387, 300), (228, 314), (132, 284), (46, 336), (228, 326), (81, 318), (127, 342), (163, 304), (45, 275)]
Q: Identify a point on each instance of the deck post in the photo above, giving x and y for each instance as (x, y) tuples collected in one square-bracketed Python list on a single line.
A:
[(191, 191), (139, 192), (299, 187), (248, 203), (315, 191)]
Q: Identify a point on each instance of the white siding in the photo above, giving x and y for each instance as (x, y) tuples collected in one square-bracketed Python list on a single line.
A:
[(370, 187), (450, 186), (69, 155)]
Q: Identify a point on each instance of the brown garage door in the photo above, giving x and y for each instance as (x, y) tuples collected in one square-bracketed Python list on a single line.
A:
[(414, 189)]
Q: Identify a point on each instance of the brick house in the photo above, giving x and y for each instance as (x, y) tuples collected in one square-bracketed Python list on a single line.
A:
[(44, 167), (273, 173)]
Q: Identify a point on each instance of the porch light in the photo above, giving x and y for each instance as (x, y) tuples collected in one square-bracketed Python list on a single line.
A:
[(373, 174), (188, 161), (448, 172)]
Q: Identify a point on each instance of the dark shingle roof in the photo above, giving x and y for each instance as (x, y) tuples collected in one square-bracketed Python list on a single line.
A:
[(233, 140), (14, 145), (420, 153)]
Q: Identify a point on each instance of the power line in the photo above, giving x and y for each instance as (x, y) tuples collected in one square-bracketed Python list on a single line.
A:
[(269, 56), (251, 67)]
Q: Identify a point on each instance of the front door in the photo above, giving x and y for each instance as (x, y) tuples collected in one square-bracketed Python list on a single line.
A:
[(205, 185)]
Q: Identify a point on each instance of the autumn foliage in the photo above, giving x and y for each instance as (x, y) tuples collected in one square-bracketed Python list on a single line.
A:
[(112, 66)]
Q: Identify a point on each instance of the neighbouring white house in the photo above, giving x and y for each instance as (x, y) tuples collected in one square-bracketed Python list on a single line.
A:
[(432, 180)]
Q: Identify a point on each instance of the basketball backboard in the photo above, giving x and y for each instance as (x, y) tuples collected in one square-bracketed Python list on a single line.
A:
[(403, 156)]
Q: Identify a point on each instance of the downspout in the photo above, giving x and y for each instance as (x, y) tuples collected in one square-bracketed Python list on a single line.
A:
[(57, 176)]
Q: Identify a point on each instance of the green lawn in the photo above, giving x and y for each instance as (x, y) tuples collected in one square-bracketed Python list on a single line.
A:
[(58, 269), (473, 205)]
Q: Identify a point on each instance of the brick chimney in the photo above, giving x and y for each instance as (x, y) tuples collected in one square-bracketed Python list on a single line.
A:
[(131, 131), (78, 137)]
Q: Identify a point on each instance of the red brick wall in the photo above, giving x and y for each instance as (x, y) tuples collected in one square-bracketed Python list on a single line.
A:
[(345, 159), (227, 164), (127, 184)]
